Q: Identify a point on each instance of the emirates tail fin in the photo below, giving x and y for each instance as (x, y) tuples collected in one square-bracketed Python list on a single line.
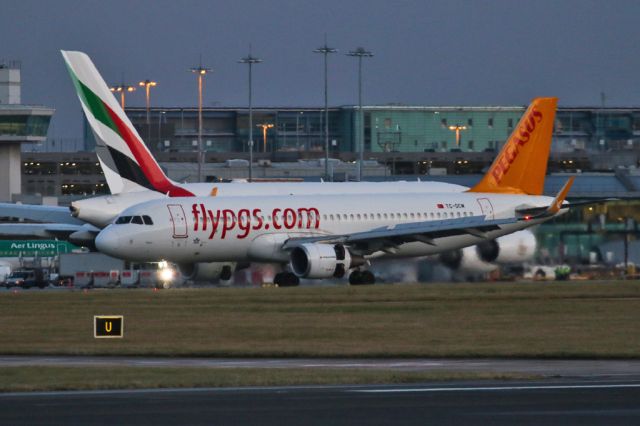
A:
[(126, 161)]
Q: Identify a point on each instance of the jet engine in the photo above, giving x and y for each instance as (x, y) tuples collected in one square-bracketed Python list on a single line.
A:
[(322, 261), (210, 271), (486, 256)]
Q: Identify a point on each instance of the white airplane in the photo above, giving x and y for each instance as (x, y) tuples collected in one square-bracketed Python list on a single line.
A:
[(487, 256), (133, 175), (326, 235)]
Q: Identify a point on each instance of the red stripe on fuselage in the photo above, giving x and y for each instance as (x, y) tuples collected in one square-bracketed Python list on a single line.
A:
[(148, 165)]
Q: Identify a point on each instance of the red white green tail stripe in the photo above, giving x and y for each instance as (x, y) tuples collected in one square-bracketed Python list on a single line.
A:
[(125, 159)]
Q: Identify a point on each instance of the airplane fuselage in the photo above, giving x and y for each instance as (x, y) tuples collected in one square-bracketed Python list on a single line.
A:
[(210, 229), (102, 210)]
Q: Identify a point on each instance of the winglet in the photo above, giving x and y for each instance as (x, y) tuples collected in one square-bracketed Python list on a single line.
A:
[(552, 209), (557, 202)]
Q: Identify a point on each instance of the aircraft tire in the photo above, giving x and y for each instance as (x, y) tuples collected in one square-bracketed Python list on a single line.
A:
[(367, 278), (355, 278)]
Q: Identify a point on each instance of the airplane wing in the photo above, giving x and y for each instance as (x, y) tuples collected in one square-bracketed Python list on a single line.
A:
[(38, 213), (48, 230), (387, 238)]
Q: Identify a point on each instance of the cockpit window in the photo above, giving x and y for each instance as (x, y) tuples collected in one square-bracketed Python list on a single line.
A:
[(137, 220), (147, 220), (123, 219)]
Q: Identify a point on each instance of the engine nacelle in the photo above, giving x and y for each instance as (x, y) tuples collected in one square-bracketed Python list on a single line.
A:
[(489, 250), (322, 261), (466, 260), (210, 271), (515, 248)]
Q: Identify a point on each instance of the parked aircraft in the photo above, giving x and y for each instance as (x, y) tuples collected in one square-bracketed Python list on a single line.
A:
[(508, 250), (133, 175), (327, 235)]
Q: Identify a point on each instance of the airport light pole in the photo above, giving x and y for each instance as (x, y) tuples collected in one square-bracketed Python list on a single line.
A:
[(325, 50), (148, 84), (457, 129), (201, 72), (250, 60), (122, 89), (161, 114), (298, 129), (265, 127), (360, 53)]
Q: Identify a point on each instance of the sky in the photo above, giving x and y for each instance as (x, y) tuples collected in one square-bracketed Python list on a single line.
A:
[(449, 52)]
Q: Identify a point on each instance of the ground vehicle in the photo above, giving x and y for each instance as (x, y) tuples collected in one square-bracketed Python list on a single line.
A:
[(28, 278), (16, 278), (37, 278)]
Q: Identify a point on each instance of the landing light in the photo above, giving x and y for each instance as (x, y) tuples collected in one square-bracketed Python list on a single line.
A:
[(166, 274)]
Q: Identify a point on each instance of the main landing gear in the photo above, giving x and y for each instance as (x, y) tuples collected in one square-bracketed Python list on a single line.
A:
[(362, 278), (286, 279)]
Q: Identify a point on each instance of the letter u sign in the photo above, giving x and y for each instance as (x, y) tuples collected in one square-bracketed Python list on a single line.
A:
[(108, 326)]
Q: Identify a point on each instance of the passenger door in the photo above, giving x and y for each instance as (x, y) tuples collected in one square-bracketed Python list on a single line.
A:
[(178, 220), (486, 207)]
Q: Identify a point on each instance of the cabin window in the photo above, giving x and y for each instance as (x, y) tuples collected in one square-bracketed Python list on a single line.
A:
[(123, 219)]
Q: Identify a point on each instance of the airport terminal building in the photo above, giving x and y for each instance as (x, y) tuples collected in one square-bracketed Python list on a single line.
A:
[(452, 144), (387, 129), (400, 142)]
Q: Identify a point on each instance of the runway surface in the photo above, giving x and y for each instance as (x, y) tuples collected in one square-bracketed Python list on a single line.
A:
[(539, 367), (551, 402)]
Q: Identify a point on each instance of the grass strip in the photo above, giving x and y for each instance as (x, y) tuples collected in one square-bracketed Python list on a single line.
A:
[(29, 379), (532, 320)]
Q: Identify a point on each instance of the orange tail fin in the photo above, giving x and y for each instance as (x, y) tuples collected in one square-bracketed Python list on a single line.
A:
[(521, 165)]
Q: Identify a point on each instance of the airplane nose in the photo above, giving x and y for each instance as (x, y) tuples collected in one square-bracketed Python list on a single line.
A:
[(108, 241)]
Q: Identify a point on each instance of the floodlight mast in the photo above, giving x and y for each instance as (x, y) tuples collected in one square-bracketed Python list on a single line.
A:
[(360, 53), (148, 84), (326, 50), (201, 72), (250, 60)]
